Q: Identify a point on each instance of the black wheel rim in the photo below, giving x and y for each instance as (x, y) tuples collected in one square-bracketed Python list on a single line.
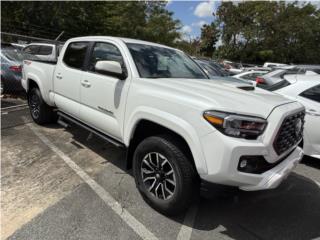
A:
[(35, 106), (158, 176)]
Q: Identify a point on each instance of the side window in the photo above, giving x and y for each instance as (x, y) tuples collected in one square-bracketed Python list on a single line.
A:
[(45, 50), (105, 52), (75, 54), (32, 50), (312, 93)]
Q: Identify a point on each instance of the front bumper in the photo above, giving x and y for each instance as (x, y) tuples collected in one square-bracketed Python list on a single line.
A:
[(272, 178), (222, 154)]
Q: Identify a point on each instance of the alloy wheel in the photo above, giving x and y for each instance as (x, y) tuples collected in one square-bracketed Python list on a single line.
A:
[(158, 176), (35, 106)]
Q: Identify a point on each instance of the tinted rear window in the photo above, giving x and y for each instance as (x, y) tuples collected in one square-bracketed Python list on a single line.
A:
[(45, 50), (32, 50)]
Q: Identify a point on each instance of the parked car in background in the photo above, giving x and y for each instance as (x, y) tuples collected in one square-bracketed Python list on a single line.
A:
[(270, 64), (250, 75), (178, 127), (11, 68), (306, 90), (266, 69), (47, 52), (216, 72), (232, 67), (212, 69), (309, 69), (276, 79)]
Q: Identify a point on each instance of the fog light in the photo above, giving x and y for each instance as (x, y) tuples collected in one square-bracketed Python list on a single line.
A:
[(243, 163), (254, 164)]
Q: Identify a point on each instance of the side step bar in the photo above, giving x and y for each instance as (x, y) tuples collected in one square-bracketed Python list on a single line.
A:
[(63, 116)]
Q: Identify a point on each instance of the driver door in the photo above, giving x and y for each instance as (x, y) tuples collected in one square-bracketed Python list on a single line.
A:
[(103, 96)]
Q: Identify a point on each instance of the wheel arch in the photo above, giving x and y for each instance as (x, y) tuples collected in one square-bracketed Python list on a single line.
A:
[(156, 124), (34, 81)]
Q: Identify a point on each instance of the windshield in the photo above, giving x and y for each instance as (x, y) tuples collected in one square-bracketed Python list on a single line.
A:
[(159, 62)]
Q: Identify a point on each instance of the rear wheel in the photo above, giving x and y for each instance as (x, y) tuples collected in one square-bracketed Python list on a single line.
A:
[(164, 176), (41, 113)]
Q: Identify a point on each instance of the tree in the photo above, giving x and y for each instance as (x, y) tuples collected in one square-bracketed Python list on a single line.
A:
[(209, 37), (191, 47), (160, 26), (134, 19), (269, 31)]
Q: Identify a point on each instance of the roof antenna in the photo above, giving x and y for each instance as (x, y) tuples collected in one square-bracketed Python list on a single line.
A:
[(57, 38)]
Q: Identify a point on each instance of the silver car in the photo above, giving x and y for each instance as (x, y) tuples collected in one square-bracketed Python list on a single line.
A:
[(11, 69)]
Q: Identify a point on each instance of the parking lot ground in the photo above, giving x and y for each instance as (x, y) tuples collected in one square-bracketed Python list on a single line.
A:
[(44, 198), (10, 101)]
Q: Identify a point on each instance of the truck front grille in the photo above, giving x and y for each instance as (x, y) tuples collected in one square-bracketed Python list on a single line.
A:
[(290, 132)]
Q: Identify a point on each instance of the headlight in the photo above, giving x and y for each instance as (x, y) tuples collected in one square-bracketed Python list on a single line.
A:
[(235, 125)]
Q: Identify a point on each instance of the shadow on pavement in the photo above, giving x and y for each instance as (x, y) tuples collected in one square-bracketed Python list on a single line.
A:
[(115, 155), (292, 211), (311, 162)]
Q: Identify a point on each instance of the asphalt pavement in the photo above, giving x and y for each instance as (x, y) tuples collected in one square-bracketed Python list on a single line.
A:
[(67, 184)]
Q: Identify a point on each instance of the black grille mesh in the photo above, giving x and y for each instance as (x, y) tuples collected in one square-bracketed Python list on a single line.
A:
[(287, 137)]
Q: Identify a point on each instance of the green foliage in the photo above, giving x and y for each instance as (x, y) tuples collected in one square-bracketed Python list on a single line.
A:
[(250, 31), (134, 19), (269, 31), (209, 37), (191, 47)]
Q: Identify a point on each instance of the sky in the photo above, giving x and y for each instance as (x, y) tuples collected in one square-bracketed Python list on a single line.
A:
[(193, 14)]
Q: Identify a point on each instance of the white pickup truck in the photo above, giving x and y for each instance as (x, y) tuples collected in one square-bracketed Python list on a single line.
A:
[(179, 128)]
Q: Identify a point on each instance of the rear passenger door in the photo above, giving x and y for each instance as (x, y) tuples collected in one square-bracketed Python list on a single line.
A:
[(67, 78), (103, 96)]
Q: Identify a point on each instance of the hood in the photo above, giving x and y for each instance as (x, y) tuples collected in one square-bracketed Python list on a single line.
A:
[(224, 95)]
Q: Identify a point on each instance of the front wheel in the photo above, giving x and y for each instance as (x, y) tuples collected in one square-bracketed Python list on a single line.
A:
[(41, 113), (164, 175)]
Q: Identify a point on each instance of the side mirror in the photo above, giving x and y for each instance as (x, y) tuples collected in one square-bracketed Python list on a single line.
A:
[(111, 68)]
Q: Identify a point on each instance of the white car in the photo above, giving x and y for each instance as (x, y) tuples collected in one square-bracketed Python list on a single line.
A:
[(179, 128), (270, 64), (233, 68), (250, 75), (306, 89)]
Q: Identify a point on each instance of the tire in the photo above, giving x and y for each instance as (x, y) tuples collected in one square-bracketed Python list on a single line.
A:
[(41, 113), (171, 157)]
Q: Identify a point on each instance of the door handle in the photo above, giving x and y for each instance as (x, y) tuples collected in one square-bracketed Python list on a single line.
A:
[(59, 76), (86, 83)]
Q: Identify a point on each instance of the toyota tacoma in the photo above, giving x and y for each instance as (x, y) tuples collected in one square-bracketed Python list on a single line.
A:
[(178, 127)]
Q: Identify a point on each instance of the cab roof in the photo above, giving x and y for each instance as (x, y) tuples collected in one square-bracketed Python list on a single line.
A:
[(125, 40)]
